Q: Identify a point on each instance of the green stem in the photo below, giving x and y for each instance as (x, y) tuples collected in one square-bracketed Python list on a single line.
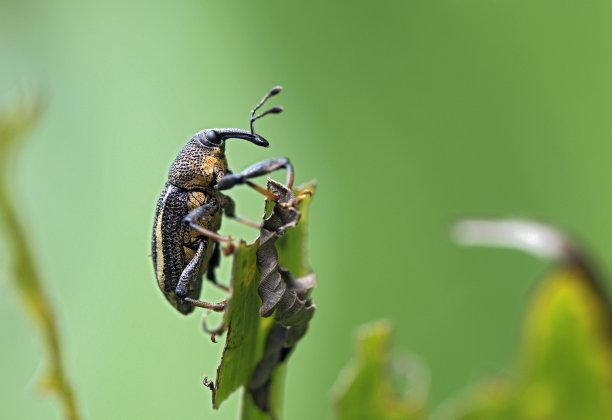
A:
[(26, 280), (28, 284)]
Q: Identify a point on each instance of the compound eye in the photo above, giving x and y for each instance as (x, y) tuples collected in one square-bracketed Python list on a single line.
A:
[(213, 137)]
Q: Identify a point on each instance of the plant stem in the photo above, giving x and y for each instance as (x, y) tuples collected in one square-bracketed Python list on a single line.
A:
[(26, 280)]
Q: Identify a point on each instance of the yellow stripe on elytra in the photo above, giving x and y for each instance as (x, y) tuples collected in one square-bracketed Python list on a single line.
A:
[(159, 241)]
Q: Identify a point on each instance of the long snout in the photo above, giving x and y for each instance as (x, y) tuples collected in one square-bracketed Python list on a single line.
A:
[(236, 133)]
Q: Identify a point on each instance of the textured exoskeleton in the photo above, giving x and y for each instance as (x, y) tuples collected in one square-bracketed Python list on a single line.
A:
[(188, 214)]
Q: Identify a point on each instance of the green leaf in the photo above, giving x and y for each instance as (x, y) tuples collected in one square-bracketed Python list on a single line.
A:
[(247, 332), (368, 386)]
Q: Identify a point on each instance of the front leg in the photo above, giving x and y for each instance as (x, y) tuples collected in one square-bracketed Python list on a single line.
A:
[(191, 275), (258, 169), (229, 209)]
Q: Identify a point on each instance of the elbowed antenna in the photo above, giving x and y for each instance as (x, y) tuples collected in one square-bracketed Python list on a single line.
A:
[(215, 136), (276, 110)]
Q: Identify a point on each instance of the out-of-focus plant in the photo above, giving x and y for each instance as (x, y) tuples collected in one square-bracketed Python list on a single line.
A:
[(564, 364), (15, 123), (372, 386)]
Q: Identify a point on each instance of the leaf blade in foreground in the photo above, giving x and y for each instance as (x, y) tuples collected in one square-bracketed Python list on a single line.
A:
[(247, 332)]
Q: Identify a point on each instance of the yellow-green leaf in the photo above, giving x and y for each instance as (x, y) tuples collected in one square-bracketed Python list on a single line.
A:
[(367, 386), (564, 366)]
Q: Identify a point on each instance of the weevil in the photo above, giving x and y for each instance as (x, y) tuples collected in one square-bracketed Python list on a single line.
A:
[(185, 242)]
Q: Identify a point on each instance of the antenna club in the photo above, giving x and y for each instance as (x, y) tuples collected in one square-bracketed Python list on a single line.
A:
[(275, 110)]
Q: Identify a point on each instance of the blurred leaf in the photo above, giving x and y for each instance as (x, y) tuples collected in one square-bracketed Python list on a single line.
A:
[(14, 124), (564, 368), (368, 387), (247, 332), (565, 364)]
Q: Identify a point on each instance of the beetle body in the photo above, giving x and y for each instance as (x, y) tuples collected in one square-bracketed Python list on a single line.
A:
[(175, 243), (184, 242), (191, 178)]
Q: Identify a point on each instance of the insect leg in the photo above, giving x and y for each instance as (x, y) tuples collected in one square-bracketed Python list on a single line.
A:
[(255, 170), (201, 213), (215, 259), (229, 208), (189, 276)]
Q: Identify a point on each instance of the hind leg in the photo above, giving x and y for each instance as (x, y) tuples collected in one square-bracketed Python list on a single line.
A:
[(229, 209), (212, 266), (191, 276)]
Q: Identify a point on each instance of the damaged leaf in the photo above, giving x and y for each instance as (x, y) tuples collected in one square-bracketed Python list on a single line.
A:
[(281, 294), (256, 345)]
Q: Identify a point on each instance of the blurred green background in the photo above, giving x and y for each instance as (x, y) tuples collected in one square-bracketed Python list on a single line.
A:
[(409, 114)]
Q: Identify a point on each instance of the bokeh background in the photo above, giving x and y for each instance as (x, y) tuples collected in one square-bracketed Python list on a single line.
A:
[(409, 114)]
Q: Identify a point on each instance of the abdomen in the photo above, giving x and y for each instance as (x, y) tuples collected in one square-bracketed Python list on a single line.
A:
[(173, 242), (167, 241)]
